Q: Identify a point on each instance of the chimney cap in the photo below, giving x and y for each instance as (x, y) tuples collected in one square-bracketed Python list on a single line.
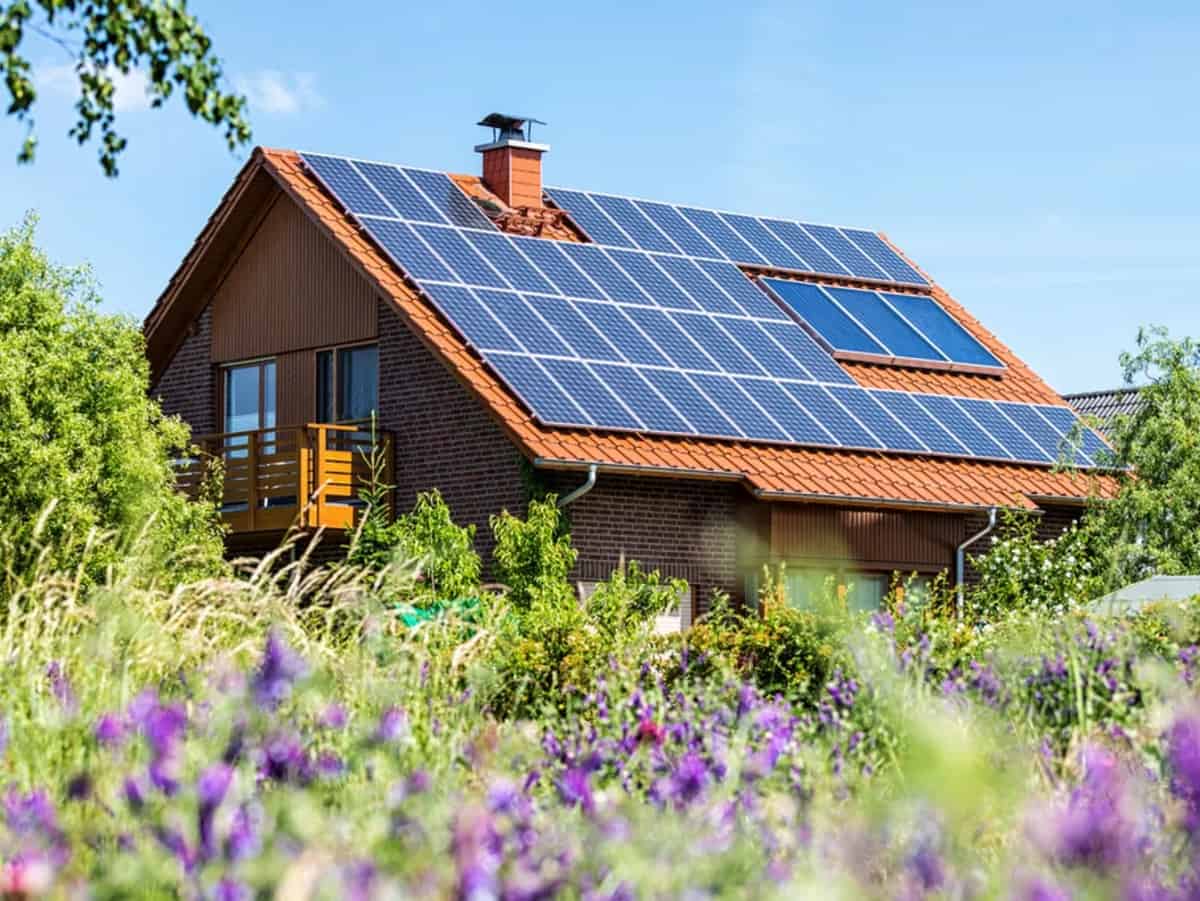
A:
[(506, 127)]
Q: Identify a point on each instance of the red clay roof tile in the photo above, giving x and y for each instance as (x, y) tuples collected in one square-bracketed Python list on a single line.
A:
[(777, 471)]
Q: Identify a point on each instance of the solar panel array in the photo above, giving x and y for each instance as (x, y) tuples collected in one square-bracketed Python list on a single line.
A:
[(882, 323), (628, 339), (749, 240)]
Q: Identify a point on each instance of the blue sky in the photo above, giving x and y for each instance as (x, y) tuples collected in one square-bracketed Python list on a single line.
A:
[(1040, 160)]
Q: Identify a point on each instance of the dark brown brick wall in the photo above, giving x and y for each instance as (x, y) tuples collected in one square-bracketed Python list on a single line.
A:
[(187, 387), (444, 438), (686, 529)]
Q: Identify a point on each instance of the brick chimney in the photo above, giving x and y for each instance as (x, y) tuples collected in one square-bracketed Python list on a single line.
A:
[(512, 164)]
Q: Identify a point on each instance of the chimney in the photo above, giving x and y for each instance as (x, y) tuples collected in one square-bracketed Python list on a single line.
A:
[(512, 164)]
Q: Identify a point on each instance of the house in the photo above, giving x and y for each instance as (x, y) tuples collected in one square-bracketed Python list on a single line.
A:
[(1106, 406), (708, 391)]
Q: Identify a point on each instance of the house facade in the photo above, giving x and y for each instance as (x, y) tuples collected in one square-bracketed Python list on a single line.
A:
[(306, 305)]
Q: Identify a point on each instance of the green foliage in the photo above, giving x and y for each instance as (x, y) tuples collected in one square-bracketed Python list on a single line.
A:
[(111, 38), (1019, 572), (782, 649), (1153, 525), (84, 454), (425, 536), (533, 556), (631, 599)]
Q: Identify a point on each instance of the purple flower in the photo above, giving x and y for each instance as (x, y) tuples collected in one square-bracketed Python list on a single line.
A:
[(393, 725), (3, 735), (284, 759), (334, 717), (573, 789), (1183, 752), (211, 788), (243, 839), (277, 671), (329, 765), (229, 889), (1091, 830), (135, 796), (476, 855), (689, 779), (60, 687), (110, 730), (926, 865)]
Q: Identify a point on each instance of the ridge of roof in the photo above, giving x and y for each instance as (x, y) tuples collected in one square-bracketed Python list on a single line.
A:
[(774, 472), (1109, 392)]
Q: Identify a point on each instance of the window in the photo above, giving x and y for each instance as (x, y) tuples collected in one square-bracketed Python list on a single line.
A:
[(809, 588), (249, 391), (347, 383)]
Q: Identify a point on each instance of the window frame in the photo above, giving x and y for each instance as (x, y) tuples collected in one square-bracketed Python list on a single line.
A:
[(223, 400), (334, 351)]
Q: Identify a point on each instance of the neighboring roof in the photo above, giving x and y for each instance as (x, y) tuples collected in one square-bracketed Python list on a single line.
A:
[(1106, 406), (1149, 591), (784, 472)]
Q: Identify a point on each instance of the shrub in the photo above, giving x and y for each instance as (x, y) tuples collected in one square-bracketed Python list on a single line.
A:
[(427, 536), (533, 556), (1019, 572)]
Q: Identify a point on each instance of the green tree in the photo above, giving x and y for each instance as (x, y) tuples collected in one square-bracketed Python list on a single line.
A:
[(84, 451), (109, 38), (1153, 524)]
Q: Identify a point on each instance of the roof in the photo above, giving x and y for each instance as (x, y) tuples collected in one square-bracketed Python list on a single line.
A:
[(768, 471), (1149, 591), (1106, 406)]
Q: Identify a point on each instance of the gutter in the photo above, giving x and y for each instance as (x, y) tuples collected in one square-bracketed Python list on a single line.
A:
[(583, 489), (960, 559)]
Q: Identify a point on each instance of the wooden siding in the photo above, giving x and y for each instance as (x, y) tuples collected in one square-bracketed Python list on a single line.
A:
[(872, 539), (296, 378), (290, 289)]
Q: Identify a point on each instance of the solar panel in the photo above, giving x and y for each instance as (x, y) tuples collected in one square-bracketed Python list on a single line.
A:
[(783, 408), (599, 227), (1091, 444), (882, 254), (964, 428), (918, 420), (815, 306), (642, 399), (885, 324), (449, 199), (1000, 427), (633, 222), (531, 383), (453, 250), (942, 329), (503, 254), (403, 245), (581, 384), (477, 324), (867, 410), (888, 325), (400, 193), (766, 244), (578, 333), (633, 339)]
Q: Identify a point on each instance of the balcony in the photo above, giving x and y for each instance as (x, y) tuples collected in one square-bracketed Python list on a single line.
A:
[(302, 476)]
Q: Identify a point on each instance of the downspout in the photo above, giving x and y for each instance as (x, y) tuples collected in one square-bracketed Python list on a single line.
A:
[(583, 489), (960, 558)]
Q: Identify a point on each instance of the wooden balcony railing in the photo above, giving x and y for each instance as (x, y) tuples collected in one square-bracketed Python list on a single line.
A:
[(306, 476)]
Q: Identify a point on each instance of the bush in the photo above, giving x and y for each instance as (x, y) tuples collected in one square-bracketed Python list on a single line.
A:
[(534, 556), (1019, 572), (426, 536), (84, 453)]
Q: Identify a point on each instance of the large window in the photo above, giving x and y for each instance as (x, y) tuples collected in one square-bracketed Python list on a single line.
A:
[(249, 391), (809, 588), (347, 383)]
